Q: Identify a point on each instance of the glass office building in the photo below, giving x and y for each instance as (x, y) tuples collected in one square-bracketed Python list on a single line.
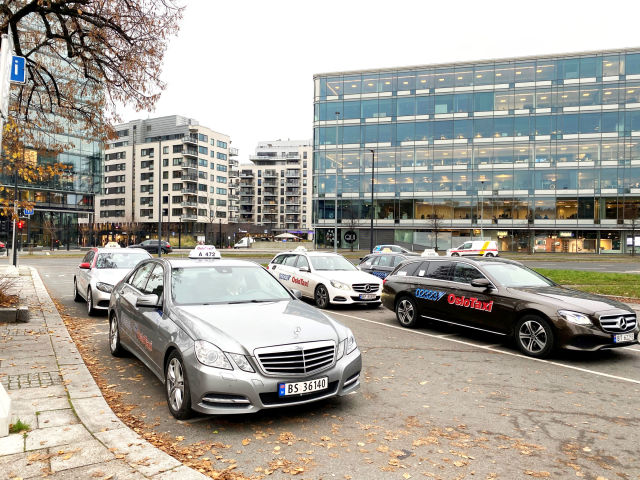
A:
[(537, 153)]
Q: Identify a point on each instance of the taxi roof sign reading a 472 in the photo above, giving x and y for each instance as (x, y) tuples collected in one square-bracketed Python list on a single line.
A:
[(204, 251)]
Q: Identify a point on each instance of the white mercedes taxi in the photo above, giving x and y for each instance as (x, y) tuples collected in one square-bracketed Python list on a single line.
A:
[(326, 278)]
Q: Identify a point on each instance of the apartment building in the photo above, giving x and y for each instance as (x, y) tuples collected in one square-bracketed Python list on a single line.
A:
[(275, 188), (171, 166)]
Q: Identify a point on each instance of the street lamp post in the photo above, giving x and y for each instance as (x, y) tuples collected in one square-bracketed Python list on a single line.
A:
[(335, 210), (159, 157), (481, 209), (373, 162)]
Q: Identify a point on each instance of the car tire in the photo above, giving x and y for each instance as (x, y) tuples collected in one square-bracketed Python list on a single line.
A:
[(177, 387), (115, 347), (407, 312), (91, 311), (76, 295), (534, 336), (455, 254), (321, 297), (489, 254)]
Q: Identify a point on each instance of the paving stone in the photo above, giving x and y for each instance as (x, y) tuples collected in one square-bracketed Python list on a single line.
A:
[(96, 415), (14, 443), (23, 465), (56, 418), (30, 406), (183, 473), (49, 391), (114, 470), (49, 437), (79, 455)]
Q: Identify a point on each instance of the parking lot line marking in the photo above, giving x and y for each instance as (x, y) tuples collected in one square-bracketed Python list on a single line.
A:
[(491, 349), (637, 350)]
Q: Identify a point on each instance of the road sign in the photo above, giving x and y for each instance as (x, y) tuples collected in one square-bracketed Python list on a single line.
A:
[(26, 211), (18, 70)]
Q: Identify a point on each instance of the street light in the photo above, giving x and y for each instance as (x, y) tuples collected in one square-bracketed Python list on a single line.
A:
[(481, 209), (373, 162), (335, 210)]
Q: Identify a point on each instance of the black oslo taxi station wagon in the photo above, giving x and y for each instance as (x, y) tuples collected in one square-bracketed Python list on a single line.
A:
[(506, 298)]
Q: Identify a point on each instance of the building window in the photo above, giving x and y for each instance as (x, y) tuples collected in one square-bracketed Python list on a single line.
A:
[(146, 152), (177, 161), (202, 162), (202, 187), (221, 168), (222, 144), (203, 150), (176, 187), (221, 156), (202, 137), (221, 179), (165, 150), (221, 191)]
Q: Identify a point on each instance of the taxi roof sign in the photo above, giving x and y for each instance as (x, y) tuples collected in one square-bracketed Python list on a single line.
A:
[(204, 251)]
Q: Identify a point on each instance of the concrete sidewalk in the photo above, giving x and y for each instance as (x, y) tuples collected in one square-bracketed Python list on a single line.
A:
[(73, 432)]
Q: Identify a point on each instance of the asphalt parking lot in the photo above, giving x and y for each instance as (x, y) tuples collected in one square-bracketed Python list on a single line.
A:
[(435, 402)]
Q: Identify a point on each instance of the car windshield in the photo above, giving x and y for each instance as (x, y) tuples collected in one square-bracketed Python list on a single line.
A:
[(510, 275), (331, 262), (120, 260), (225, 284)]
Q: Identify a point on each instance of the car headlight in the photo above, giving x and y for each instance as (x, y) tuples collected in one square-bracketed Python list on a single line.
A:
[(340, 351), (350, 343), (340, 285), (210, 355), (575, 317), (242, 362), (104, 287)]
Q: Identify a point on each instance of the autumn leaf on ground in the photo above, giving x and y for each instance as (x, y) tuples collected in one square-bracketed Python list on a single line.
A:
[(537, 474)]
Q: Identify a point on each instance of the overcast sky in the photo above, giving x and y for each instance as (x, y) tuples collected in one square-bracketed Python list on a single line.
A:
[(245, 68)]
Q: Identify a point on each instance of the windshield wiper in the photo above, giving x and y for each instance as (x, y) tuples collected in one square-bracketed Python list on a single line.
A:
[(249, 301)]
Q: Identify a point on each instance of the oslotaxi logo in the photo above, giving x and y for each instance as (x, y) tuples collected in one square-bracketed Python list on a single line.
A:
[(471, 302)]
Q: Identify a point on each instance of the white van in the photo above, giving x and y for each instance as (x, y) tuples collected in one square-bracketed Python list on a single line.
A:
[(244, 242), (485, 248)]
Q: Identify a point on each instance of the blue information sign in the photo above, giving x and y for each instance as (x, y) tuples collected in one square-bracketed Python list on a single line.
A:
[(18, 70), (26, 211)]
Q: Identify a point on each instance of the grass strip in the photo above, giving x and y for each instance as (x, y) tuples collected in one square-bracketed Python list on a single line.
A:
[(616, 284)]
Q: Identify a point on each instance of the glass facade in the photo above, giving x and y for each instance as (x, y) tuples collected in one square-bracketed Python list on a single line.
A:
[(62, 205), (539, 153)]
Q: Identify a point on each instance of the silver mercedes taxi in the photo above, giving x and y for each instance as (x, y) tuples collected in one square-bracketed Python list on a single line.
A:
[(226, 337)]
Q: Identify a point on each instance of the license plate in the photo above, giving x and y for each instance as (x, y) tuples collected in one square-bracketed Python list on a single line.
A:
[(367, 296), (623, 337), (301, 388)]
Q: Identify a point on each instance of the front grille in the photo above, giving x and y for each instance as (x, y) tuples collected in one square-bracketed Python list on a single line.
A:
[(365, 287), (272, 398), (296, 359), (618, 323)]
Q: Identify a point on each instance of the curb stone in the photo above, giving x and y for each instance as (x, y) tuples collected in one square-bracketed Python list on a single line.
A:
[(101, 440)]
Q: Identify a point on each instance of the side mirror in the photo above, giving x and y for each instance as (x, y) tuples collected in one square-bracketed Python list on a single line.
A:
[(304, 269), (148, 301), (481, 283), (85, 266), (297, 294)]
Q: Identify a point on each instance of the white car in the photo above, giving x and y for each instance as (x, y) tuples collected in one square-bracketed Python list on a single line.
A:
[(100, 270), (326, 278), (483, 248)]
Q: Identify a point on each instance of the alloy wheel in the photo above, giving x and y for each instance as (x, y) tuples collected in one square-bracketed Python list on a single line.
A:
[(322, 297), (175, 384), (533, 336), (113, 334), (406, 312)]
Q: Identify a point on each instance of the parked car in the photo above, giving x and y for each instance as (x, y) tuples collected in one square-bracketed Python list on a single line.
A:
[(392, 249), (381, 264), (325, 277), (151, 246), (225, 337), (244, 242), (483, 248), (508, 299), (100, 270)]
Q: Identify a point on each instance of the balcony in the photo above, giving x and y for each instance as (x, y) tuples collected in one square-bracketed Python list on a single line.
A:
[(189, 191), (189, 177), (270, 174), (189, 204), (190, 152), (189, 166), (270, 184), (246, 201), (187, 217), (294, 174), (233, 219), (190, 139), (292, 183), (233, 197), (247, 191), (233, 173), (292, 210), (233, 152), (246, 174)]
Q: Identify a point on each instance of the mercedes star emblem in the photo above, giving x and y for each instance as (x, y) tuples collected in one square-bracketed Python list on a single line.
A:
[(622, 323)]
